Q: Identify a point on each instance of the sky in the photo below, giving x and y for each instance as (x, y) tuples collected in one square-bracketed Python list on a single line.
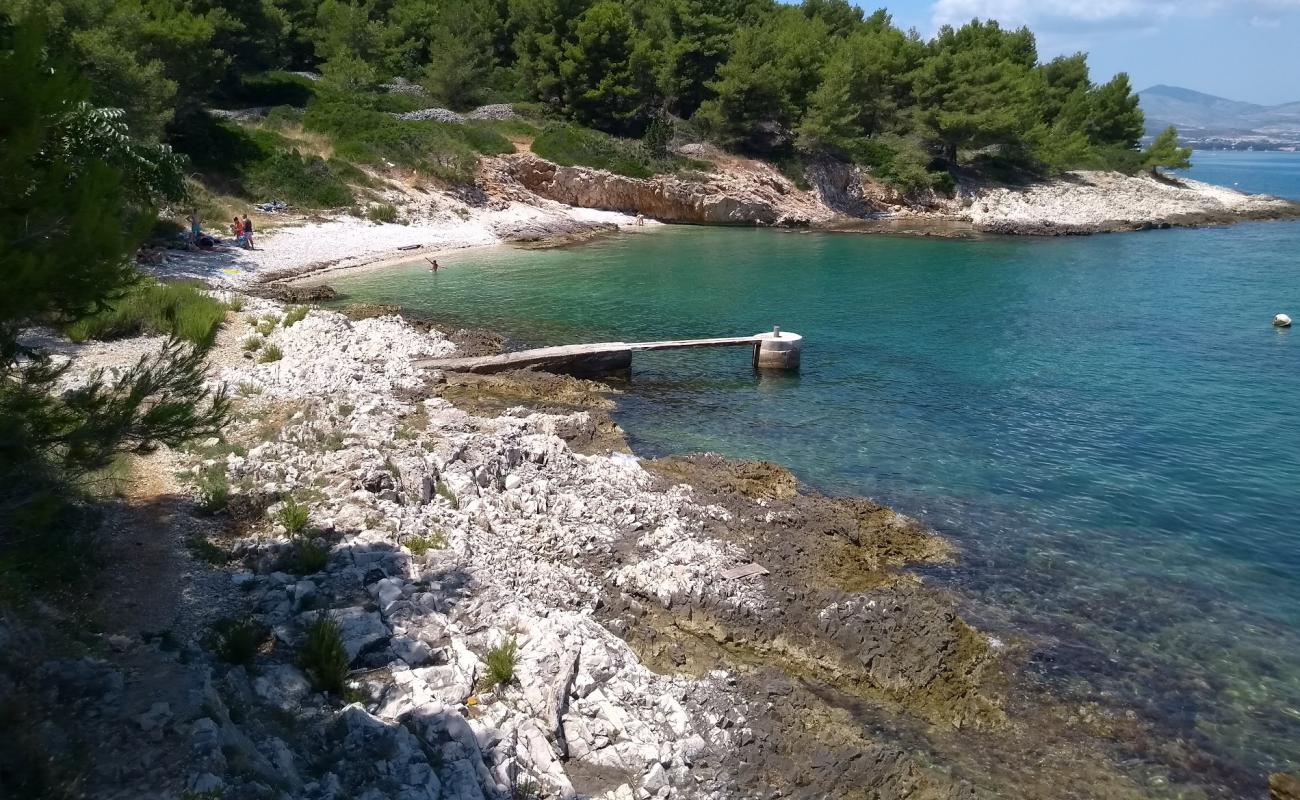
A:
[(1240, 49)]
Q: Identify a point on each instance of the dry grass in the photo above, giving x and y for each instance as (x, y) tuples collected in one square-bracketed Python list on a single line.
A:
[(307, 142)]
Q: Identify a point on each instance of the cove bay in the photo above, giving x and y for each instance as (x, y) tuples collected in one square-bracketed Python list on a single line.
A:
[(1105, 425)]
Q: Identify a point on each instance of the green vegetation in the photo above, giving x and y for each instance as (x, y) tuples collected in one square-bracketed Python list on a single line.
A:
[(237, 641), (500, 662), (1165, 152), (214, 490), (308, 558), (382, 212), (266, 325), (292, 516), (270, 353), (78, 192), (294, 315), (251, 344), (204, 548), (419, 545), (444, 491), (323, 656), (570, 145), (779, 81), (177, 310), (363, 134), (262, 164)]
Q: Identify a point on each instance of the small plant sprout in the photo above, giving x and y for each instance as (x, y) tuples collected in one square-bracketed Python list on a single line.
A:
[(214, 490), (293, 516), (500, 662), (309, 558), (419, 545), (444, 491), (237, 641), (323, 656), (295, 314)]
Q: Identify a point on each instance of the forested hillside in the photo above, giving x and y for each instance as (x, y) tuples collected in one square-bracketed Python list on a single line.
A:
[(782, 82)]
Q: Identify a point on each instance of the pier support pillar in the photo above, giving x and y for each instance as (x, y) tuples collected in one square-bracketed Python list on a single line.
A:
[(777, 350)]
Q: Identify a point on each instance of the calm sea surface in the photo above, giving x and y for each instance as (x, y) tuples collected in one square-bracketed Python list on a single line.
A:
[(1108, 426)]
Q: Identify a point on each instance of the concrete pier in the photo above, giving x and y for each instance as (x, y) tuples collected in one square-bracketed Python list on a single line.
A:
[(777, 350)]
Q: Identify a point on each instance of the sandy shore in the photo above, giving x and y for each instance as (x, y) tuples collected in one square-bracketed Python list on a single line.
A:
[(314, 248)]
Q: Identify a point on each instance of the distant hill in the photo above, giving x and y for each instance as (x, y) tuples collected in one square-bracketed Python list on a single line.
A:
[(1204, 118)]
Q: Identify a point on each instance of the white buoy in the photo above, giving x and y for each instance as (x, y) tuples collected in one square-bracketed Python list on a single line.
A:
[(1281, 321)]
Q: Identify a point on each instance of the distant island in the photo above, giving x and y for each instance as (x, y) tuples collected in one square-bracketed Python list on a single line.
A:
[(1206, 122)]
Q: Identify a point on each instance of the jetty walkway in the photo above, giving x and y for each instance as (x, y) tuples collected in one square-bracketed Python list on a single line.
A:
[(775, 350)]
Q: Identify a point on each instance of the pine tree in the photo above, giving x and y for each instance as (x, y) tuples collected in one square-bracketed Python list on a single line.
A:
[(461, 53), (1165, 152), (1114, 115), (977, 88), (72, 193), (604, 85)]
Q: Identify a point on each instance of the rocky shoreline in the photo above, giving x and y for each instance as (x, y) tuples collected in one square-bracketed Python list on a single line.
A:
[(460, 514), (530, 202)]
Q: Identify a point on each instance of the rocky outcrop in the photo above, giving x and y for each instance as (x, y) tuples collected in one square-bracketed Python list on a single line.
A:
[(740, 191), (460, 516), (1101, 202), (556, 231), (1283, 787), (849, 190), (747, 193)]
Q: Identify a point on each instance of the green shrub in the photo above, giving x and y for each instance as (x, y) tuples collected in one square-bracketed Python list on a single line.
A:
[(260, 164), (267, 324), (383, 212), (323, 656), (419, 545), (444, 491), (235, 304), (276, 88), (293, 516), (214, 490), (270, 353), (155, 308), (294, 314), (500, 662), (302, 180), (364, 134), (575, 146), (251, 344), (308, 558), (525, 789), (204, 548), (237, 641)]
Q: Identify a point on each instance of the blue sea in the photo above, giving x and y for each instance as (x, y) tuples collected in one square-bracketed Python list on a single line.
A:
[(1109, 428)]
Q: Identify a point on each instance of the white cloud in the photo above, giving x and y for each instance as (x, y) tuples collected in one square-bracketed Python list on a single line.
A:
[(1065, 14)]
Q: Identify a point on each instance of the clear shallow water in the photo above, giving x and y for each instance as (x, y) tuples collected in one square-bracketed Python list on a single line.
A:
[(1109, 426)]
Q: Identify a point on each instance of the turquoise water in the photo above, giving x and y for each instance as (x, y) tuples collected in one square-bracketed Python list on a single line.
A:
[(1108, 426)]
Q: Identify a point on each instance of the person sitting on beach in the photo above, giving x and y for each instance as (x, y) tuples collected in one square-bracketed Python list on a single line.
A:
[(237, 229), (248, 233)]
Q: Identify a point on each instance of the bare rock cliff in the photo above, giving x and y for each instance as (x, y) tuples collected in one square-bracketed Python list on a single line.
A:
[(748, 194)]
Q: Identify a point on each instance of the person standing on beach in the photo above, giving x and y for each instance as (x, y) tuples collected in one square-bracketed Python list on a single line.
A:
[(248, 232), (237, 230), (196, 228)]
